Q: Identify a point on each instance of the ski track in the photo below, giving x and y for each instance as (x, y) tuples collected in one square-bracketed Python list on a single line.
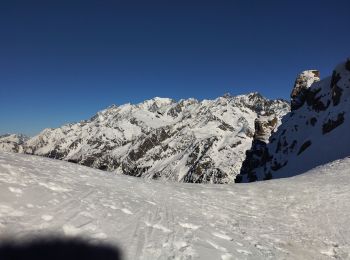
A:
[(305, 217)]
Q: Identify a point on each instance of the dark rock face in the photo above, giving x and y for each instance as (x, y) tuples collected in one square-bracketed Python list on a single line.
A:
[(332, 124), (347, 64), (256, 157), (314, 100), (335, 90), (306, 137), (258, 154), (304, 147)]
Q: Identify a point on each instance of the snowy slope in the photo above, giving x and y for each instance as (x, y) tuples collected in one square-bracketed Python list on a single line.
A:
[(185, 141), (312, 134), (303, 217)]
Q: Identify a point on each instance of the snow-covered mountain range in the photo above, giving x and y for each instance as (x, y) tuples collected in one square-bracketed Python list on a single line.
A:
[(315, 132), (302, 217), (185, 141), (209, 141)]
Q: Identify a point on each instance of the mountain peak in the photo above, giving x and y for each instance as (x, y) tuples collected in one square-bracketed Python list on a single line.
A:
[(311, 134), (302, 83), (186, 141)]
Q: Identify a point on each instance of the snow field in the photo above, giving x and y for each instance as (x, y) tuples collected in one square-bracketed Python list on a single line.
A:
[(304, 217)]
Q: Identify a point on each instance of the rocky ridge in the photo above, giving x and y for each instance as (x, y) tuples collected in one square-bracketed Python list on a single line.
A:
[(315, 132), (185, 141)]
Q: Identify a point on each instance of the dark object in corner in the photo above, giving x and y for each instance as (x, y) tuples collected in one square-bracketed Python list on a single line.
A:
[(57, 249)]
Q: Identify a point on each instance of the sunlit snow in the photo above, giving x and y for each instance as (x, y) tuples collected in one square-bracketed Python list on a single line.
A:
[(304, 217)]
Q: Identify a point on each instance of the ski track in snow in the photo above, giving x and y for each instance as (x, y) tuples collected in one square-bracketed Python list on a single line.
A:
[(304, 217)]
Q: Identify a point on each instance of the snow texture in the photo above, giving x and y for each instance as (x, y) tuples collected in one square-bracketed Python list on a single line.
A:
[(303, 217)]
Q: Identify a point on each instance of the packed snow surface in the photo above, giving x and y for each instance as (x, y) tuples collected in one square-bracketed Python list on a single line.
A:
[(303, 217)]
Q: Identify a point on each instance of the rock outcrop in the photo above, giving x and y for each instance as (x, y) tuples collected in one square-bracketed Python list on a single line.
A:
[(264, 125), (301, 86), (315, 132), (258, 154)]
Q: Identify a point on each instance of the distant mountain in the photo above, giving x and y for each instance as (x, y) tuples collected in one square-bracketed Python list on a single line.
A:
[(186, 141), (12, 142), (315, 132)]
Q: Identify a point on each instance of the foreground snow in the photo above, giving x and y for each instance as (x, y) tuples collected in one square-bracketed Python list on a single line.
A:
[(304, 217)]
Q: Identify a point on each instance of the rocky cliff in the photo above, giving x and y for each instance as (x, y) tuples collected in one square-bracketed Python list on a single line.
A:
[(313, 133)]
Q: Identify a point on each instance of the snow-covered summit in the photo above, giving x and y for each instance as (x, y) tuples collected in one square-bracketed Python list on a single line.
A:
[(155, 103), (186, 140)]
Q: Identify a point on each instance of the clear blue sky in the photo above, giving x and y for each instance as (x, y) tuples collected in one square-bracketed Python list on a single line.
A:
[(62, 61)]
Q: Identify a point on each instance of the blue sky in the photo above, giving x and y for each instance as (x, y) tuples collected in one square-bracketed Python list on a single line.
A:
[(62, 61)]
